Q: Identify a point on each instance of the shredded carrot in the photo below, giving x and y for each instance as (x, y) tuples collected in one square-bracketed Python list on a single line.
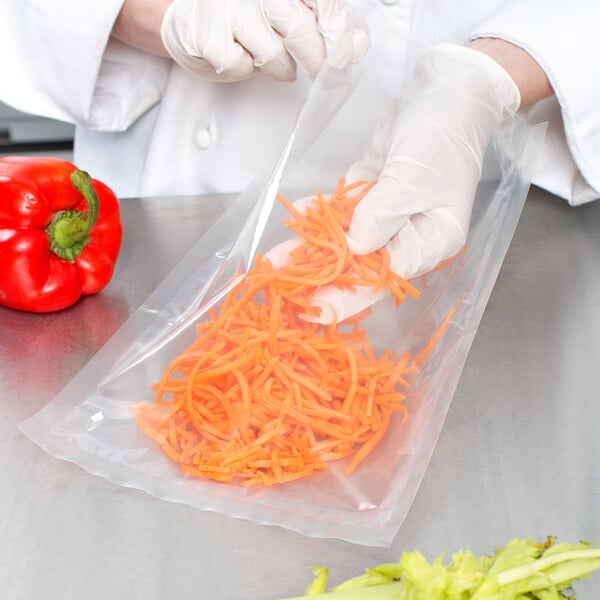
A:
[(264, 397)]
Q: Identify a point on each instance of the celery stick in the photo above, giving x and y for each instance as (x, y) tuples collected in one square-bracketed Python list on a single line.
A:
[(545, 562), (386, 591), (523, 568)]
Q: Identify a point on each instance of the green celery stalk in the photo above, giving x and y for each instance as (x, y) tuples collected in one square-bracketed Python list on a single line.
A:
[(521, 569), (572, 563), (386, 591)]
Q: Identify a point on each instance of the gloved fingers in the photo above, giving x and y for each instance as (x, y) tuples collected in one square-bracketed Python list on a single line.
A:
[(205, 45), (422, 243), (302, 204), (203, 68), (345, 41), (279, 255), (227, 60), (297, 25), (380, 215), (335, 304), (258, 32), (231, 40), (426, 240), (408, 186), (339, 304)]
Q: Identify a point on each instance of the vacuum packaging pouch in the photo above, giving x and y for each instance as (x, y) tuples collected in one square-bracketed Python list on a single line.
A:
[(91, 421)]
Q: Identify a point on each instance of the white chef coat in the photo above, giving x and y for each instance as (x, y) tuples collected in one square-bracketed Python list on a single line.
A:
[(147, 127)]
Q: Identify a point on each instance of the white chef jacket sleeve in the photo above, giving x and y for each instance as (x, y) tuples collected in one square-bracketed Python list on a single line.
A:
[(58, 61), (563, 38)]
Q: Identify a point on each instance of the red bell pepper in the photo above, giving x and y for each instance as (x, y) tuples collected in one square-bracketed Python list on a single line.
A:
[(60, 233)]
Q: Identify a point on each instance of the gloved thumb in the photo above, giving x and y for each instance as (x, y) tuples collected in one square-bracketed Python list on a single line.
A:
[(345, 40), (425, 240)]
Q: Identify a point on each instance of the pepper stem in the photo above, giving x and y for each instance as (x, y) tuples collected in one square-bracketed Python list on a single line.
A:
[(69, 229)]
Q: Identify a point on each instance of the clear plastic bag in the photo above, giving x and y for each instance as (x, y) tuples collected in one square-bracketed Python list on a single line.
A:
[(90, 422)]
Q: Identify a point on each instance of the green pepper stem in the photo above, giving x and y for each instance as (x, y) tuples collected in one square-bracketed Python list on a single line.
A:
[(69, 229)]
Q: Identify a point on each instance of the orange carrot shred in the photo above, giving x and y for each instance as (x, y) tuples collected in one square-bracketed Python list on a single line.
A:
[(263, 397)]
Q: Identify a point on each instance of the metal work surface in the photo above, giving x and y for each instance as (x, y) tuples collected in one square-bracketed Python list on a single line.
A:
[(519, 454)]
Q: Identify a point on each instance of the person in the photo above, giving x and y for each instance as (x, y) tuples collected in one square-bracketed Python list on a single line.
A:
[(190, 96)]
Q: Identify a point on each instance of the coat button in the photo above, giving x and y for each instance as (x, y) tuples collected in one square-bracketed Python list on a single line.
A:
[(203, 137)]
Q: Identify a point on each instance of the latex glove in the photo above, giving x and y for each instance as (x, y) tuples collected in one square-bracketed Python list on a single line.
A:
[(231, 40), (426, 156)]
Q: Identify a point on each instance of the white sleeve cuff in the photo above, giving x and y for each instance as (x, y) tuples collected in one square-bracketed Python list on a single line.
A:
[(563, 40)]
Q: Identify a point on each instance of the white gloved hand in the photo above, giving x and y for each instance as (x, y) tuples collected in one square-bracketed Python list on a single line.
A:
[(426, 157), (232, 40)]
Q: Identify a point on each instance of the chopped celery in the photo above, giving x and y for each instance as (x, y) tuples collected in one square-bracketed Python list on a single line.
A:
[(522, 570)]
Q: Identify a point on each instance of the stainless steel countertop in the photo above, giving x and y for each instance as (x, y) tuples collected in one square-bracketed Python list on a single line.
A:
[(519, 454)]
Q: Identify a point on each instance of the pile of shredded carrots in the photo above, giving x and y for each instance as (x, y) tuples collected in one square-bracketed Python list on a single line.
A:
[(264, 397)]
